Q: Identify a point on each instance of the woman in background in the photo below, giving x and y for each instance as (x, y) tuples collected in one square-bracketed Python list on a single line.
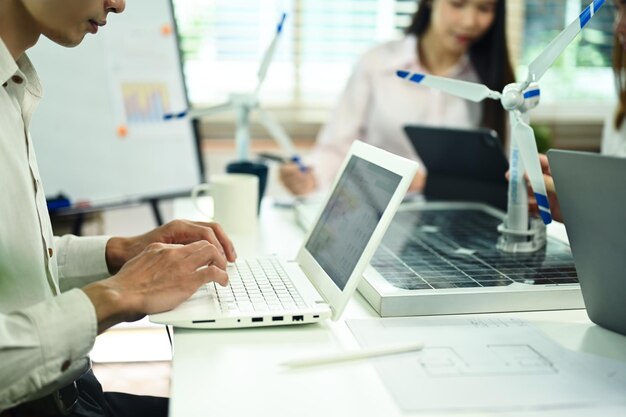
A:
[(462, 39)]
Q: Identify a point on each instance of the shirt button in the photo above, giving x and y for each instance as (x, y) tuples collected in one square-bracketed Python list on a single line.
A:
[(17, 79), (50, 252), (65, 365)]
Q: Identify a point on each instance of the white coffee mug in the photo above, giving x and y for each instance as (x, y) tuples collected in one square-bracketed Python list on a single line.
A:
[(235, 201)]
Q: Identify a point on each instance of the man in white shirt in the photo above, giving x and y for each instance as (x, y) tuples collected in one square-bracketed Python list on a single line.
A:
[(57, 294)]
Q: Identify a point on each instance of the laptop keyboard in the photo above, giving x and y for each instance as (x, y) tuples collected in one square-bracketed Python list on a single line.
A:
[(440, 249), (257, 285)]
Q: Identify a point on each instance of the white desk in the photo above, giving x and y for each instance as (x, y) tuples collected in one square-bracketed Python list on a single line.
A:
[(238, 372)]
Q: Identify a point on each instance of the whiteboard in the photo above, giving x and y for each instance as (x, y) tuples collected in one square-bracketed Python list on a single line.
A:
[(99, 132)]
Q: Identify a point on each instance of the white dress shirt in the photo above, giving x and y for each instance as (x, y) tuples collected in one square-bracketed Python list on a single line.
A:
[(376, 104), (613, 140), (46, 328)]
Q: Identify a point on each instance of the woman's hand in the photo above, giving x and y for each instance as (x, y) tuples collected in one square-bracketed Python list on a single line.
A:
[(555, 208), (297, 181)]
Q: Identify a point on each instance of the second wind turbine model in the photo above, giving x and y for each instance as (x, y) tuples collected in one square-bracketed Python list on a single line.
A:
[(519, 233), (245, 103)]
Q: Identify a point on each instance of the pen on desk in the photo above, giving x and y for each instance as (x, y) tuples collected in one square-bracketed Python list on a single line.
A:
[(277, 158), (272, 157), (345, 356), (296, 160)]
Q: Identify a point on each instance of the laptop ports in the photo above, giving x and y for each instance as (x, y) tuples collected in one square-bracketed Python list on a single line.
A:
[(257, 319), (297, 318), (277, 318)]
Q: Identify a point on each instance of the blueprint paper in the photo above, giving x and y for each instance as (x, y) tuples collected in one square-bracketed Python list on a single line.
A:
[(489, 365)]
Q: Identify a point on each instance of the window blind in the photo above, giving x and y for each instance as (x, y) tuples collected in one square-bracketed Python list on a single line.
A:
[(223, 42), (583, 72)]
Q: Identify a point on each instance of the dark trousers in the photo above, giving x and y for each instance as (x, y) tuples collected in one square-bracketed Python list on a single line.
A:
[(93, 402)]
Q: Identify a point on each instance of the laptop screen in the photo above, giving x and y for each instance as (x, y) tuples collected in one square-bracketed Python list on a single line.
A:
[(350, 217)]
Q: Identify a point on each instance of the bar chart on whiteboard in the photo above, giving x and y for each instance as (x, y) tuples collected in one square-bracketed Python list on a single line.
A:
[(145, 102), (100, 133)]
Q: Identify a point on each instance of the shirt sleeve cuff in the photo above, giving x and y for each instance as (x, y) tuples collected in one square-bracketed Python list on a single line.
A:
[(81, 260)]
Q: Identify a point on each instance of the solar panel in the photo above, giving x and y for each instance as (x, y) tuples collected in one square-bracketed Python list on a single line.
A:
[(442, 258), (438, 249)]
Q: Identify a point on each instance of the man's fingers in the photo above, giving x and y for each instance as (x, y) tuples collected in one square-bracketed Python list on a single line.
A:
[(545, 166), (191, 247), (205, 232), (227, 244), (220, 236), (212, 274), (549, 181), (185, 231), (202, 253)]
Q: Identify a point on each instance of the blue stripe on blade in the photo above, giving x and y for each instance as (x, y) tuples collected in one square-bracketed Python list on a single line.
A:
[(170, 116), (597, 4), (417, 78), (585, 16), (545, 216), (279, 28), (531, 93), (542, 200), (402, 74)]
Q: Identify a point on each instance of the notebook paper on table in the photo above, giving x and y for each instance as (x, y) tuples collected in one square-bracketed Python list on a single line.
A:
[(489, 364)]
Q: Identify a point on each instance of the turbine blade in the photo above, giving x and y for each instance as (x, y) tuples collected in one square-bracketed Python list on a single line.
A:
[(540, 65), (524, 136), (277, 132), (464, 89), (269, 53), (207, 111), (197, 113)]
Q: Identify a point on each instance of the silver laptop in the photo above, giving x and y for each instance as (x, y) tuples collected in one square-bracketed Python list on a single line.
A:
[(319, 282), (592, 196)]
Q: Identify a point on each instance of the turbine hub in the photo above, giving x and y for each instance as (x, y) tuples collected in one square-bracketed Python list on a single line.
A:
[(512, 97)]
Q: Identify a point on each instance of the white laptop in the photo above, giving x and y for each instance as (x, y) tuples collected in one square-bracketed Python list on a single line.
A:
[(320, 281)]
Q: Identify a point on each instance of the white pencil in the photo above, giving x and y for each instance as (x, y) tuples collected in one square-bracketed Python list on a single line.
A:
[(353, 355)]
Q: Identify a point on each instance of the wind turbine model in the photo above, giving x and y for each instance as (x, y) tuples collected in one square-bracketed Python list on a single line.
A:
[(244, 103), (518, 232)]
